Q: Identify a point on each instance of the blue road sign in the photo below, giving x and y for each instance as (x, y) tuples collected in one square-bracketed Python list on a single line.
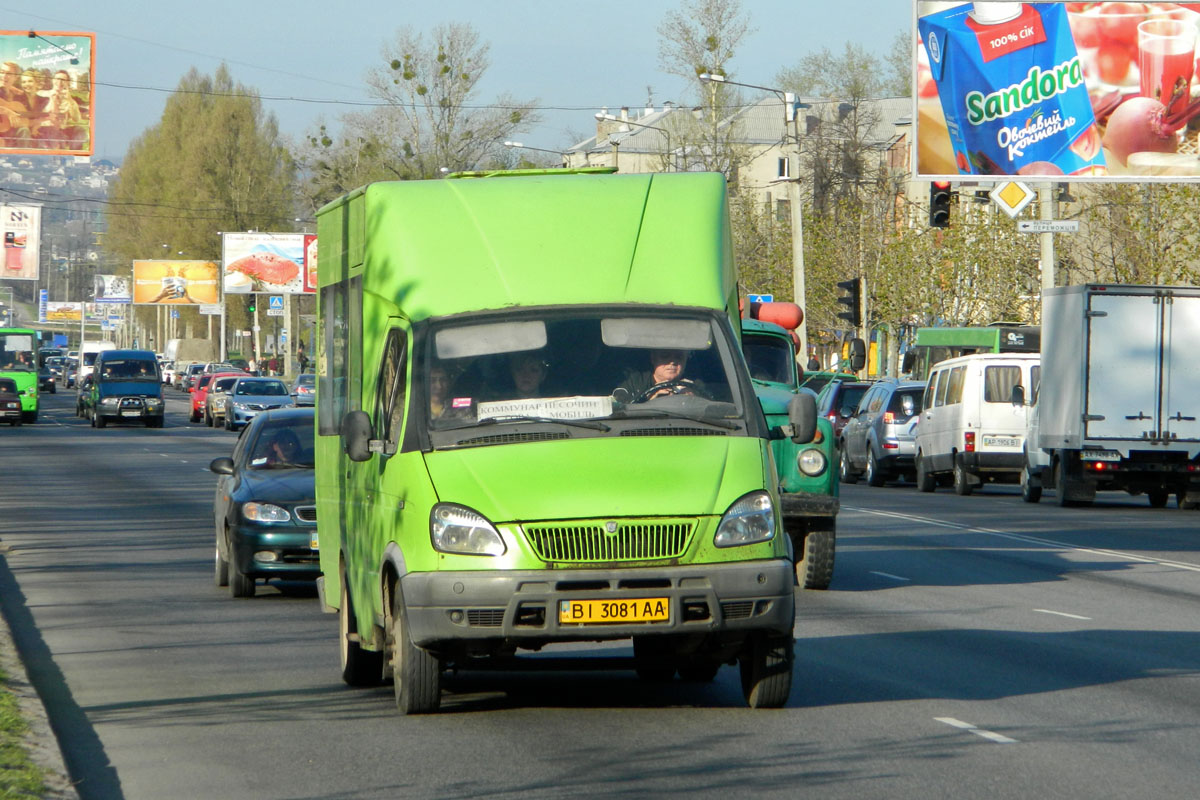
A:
[(275, 301), (761, 298)]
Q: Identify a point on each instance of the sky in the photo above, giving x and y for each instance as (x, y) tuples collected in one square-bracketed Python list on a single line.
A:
[(573, 57)]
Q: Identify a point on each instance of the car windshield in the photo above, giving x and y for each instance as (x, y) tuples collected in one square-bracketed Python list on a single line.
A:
[(223, 384), (261, 388), (128, 369), (769, 357), (284, 444), (583, 371), (8, 386)]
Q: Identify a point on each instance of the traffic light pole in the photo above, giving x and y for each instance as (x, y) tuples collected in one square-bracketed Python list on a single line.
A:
[(798, 289)]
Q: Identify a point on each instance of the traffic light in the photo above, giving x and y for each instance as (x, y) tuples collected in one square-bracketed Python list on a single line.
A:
[(253, 306), (939, 204), (853, 301)]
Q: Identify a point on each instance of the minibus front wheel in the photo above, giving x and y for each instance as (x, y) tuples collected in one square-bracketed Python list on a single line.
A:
[(416, 672), (766, 670)]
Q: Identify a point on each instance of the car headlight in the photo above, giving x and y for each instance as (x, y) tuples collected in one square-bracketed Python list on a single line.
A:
[(457, 529), (811, 461), (240, 406), (109, 401), (153, 402), (265, 512), (31, 391), (750, 520)]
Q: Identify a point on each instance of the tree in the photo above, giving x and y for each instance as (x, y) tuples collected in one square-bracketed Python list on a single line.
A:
[(428, 121), (214, 162)]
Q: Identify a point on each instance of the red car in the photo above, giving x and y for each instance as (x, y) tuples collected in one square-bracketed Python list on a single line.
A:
[(200, 392)]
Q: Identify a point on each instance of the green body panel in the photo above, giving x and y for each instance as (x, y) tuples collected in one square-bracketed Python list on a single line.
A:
[(27, 381)]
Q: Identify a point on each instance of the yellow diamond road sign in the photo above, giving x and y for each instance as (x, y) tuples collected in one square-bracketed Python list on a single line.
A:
[(1012, 197)]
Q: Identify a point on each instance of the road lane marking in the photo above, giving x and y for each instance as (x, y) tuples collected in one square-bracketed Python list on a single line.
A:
[(889, 575), (1020, 537), (1060, 613), (966, 726)]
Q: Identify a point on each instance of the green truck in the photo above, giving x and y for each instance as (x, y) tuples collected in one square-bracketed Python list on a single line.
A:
[(535, 426), (808, 482)]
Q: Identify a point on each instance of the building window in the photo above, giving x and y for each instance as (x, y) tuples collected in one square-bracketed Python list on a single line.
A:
[(785, 168)]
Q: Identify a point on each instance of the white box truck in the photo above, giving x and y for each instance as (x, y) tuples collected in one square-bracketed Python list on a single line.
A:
[(1119, 402)]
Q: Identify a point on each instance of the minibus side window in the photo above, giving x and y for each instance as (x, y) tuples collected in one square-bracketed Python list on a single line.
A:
[(954, 392), (931, 390), (998, 383), (390, 394), (332, 390)]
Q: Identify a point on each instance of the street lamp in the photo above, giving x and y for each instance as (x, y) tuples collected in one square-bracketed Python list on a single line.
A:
[(601, 116)]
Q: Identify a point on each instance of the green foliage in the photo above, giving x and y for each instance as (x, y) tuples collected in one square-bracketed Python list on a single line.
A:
[(19, 776)]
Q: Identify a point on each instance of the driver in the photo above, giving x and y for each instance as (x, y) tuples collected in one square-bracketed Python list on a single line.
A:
[(665, 377), (284, 449)]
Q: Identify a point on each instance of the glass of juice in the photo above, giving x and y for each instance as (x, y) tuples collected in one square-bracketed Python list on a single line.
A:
[(1166, 59)]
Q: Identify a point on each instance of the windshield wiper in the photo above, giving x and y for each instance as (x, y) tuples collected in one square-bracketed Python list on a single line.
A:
[(650, 413), (578, 423)]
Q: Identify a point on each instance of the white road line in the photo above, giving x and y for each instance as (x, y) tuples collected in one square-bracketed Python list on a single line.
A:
[(889, 575), (966, 726), (1031, 539), (1060, 613)]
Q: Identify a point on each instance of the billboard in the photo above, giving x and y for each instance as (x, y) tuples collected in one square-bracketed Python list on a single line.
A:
[(310, 263), (69, 312), (266, 263), (46, 92), (1057, 91), (112, 289), (22, 229), (174, 283)]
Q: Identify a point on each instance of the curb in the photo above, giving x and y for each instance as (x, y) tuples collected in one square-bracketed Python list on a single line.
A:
[(40, 742)]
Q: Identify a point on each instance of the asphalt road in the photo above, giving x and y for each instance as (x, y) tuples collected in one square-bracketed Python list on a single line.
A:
[(969, 647)]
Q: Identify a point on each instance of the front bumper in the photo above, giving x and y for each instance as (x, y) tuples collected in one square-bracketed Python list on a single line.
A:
[(291, 544), (803, 504), (732, 598)]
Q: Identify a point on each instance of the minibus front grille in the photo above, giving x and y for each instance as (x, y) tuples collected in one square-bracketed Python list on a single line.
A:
[(587, 542)]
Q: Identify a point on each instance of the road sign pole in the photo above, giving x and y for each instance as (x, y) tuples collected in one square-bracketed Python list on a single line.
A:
[(1045, 192)]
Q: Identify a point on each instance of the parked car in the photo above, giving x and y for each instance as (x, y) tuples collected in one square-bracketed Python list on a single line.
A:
[(216, 396), (264, 509), (10, 402), (879, 440), (252, 395), (188, 380), (304, 389), (198, 392), (973, 425), (838, 401)]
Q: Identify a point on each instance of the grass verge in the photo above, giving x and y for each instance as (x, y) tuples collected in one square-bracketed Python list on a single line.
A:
[(19, 776)]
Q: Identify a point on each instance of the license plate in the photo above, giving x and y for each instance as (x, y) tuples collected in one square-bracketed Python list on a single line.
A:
[(614, 612), (1001, 441), (312, 541), (1100, 455), (131, 413)]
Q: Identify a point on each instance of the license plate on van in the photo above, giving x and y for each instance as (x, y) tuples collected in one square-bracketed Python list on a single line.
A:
[(614, 612), (1001, 441)]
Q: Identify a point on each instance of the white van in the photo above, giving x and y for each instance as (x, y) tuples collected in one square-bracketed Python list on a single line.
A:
[(88, 352), (970, 427)]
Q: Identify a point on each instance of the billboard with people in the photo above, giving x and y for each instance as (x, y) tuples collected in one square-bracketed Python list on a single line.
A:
[(1058, 91), (175, 283), (46, 92)]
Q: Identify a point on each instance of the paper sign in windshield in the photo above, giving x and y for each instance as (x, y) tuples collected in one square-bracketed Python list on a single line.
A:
[(550, 407)]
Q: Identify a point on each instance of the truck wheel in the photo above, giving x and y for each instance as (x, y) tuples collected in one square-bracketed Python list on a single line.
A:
[(766, 668), (845, 471), (1158, 498), (1031, 487), (416, 672), (873, 474), (814, 566), (1069, 492), (962, 479), (925, 480), (359, 667)]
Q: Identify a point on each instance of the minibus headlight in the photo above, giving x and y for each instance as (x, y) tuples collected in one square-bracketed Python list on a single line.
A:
[(265, 512), (457, 529), (811, 461), (109, 401), (750, 520)]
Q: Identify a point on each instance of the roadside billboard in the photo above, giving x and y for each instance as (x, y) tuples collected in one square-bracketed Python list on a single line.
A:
[(310, 263), (266, 263), (69, 312), (46, 92), (1088, 92), (112, 289), (177, 283), (22, 231)]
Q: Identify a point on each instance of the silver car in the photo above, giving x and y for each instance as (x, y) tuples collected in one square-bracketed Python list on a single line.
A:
[(250, 396), (879, 440)]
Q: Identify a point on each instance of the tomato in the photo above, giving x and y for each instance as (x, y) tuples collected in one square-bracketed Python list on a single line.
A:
[(1112, 61), (1086, 29), (1087, 145), (1118, 21)]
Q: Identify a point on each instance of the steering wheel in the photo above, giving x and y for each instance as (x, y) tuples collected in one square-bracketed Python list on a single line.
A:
[(676, 386)]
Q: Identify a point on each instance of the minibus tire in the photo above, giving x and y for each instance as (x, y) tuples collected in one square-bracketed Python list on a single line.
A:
[(766, 670), (359, 667), (962, 479), (926, 482), (416, 672), (1031, 489)]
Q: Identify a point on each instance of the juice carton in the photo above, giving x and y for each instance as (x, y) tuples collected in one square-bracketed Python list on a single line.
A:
[(1012, 89)]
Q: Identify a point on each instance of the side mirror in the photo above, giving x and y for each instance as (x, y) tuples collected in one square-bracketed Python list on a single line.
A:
[(858, 354), (1018, 395), (356, 435), (221, 466), (802, 415)]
